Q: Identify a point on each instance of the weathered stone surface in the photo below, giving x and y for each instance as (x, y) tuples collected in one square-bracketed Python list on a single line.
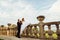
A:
[(15, 38)]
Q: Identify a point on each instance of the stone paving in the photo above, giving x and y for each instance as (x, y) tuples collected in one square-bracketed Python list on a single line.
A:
[(8, 37), (15, 38)]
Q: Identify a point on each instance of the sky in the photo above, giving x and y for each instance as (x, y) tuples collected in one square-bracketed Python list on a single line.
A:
[(11, 10)]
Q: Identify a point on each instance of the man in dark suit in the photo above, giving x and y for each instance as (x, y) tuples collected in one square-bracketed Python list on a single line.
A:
[(19, 23)]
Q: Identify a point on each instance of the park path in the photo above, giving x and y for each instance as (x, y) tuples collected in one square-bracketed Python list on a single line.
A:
[(15, 38)]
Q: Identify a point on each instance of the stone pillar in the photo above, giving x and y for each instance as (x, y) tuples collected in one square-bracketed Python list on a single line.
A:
[(41, 23), (41, 29)]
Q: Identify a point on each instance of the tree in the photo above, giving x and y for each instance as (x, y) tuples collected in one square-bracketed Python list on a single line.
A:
[(13, 25), (2, 25), (55, 36), (9, 24)]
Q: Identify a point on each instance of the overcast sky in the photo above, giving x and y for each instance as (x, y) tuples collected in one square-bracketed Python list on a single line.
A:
[(11, 10)]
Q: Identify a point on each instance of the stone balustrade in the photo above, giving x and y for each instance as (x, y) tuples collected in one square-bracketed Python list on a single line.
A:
[(8, 31), (37, 30)]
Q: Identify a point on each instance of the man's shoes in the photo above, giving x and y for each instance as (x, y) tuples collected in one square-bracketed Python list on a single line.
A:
[(19, 37), (16, 35)]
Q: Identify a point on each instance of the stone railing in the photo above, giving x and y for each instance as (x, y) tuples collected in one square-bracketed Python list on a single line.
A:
[(8, 31), (37, 30)]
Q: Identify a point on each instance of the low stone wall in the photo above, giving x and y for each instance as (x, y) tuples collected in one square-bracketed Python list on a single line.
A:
[(8, 31)]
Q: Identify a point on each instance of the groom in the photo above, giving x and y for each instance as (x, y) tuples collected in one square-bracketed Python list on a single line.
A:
[(19, 23)]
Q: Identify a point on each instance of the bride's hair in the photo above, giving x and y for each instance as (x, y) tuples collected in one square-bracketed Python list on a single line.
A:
[(23, 19)]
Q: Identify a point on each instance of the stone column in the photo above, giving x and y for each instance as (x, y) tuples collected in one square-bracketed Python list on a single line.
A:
[(41, 23), (41, 29)]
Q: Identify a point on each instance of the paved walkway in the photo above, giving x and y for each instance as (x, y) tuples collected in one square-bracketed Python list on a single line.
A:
[(15, 38)]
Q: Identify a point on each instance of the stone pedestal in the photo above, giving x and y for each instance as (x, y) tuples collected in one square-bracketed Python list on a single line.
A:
[(41, 23)]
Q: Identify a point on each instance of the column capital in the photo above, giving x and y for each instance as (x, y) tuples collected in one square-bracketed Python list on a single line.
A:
[(41, 18)]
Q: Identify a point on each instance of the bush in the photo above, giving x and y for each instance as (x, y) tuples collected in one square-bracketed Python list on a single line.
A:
[(55, 36), (38, 35), (47, 35)]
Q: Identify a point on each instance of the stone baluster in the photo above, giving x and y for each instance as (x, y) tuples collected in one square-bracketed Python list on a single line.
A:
[(49, 30), (28, 30), (49, 27), (35, 32), (57, 26), (35, 28), (57, 31)]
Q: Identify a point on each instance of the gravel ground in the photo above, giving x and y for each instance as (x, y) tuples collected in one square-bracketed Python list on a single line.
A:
[(15, 38)]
